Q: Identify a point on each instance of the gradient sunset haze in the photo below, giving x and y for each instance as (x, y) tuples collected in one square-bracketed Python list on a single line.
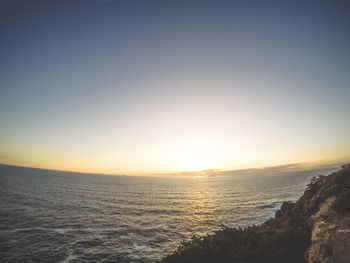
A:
[(149, 87)]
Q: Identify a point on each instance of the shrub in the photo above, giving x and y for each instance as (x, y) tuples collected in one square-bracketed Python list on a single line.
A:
[(342, 203)]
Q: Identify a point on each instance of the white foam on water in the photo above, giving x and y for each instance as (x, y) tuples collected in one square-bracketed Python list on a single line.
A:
[(142, 248), (69, 258), (157, 227)]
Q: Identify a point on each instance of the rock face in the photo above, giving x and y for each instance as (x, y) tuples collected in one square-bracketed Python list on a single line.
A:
[(330, 237), (341, 245), (323, 234), (315, 229)]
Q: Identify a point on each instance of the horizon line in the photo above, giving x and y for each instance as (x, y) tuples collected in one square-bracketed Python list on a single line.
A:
[(283, 168)]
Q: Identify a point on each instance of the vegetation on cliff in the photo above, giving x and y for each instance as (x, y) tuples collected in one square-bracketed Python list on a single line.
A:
[(299, 232)]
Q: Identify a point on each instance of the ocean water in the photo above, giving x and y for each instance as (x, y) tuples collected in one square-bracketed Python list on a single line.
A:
[(52, 216)]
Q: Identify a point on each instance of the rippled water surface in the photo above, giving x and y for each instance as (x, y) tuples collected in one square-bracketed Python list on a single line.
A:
[(51, 216)]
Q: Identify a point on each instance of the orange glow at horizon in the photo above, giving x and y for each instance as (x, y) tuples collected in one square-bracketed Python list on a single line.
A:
[(164, 88)]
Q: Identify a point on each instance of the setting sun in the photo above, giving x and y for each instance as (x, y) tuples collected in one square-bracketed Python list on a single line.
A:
[(198, 165)]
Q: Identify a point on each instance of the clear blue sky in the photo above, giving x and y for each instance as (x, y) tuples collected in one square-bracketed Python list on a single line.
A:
[(167, 86)]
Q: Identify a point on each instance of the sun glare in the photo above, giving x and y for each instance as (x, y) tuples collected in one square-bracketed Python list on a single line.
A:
[(198, 165)]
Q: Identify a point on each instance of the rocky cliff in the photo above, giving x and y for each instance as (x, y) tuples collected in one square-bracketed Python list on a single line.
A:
[(314, 229)]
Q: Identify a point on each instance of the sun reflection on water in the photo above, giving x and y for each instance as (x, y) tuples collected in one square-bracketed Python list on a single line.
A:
[(200, 204)]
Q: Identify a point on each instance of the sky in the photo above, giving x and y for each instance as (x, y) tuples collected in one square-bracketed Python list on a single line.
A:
[(139, 87)]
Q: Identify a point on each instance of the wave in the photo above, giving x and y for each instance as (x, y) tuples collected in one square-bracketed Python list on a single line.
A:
[(156, 227), (142, 248), (271, 208), (64, 230), (69, 258)]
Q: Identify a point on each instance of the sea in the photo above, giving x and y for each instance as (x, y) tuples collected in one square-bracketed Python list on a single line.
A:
[(55, 216)]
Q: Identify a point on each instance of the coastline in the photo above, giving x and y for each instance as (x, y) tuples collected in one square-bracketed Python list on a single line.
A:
[(313, 229)]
